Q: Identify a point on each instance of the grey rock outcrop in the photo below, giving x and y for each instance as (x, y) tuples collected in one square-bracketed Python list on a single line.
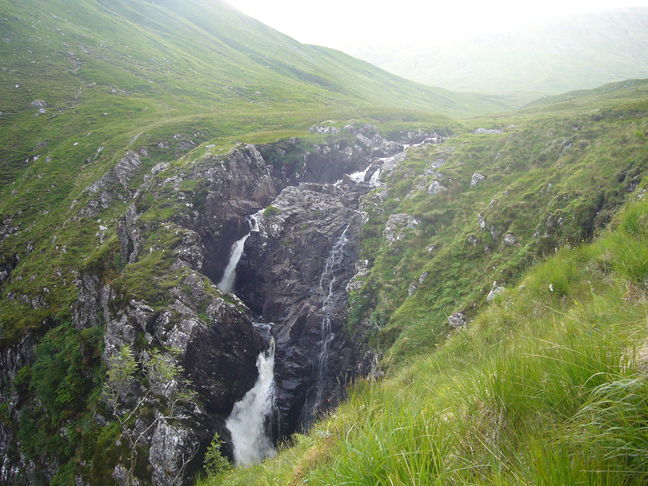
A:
[(397, 226), (7, 266), (488, 131), (510, 239), (295, 273), (14, 468), (495, 292), (436, 188), (114, 185), (172, 448), (477, 178), (457, 320), (324, 130)]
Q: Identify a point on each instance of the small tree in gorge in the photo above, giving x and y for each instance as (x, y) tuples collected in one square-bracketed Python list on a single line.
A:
[(161, 381)]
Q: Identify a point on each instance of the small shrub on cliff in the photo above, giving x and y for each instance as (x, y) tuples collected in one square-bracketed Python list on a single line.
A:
[(215, 463), (271, 211)]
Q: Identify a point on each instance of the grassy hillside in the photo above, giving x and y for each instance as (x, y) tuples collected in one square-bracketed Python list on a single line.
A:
[(582, 51), (85, 83), (164, 76), (553, 177), (546, 384), (543, 388)]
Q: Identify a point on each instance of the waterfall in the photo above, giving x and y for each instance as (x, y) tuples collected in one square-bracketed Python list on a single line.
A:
[(327, 289), (375, 178), (226, 285), (248, 420), (360, 175)]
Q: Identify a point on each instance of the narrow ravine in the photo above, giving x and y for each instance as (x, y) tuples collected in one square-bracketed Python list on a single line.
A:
[(249, 422), (293, 266)]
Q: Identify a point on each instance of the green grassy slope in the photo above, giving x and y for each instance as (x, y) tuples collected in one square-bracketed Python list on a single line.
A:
[(123, 75), (554, 177), (544, 388), (582, 51), (547, 385)]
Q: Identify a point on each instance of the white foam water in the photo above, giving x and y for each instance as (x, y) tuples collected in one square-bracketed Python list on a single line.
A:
[(226, 284), (247, 422)]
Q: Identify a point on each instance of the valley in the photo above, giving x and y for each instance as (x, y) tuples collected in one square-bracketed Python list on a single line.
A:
[(230, 258)]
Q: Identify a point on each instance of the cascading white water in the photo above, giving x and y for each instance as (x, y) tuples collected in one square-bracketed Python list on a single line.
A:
[(327, 283), (226, 284), (247, 422), (375, 178), (360, 175)]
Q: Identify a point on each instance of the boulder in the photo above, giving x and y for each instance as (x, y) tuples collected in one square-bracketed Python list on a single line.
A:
[(495, 292), (436, 188), (477, 178), (510, 239), (457, 320)]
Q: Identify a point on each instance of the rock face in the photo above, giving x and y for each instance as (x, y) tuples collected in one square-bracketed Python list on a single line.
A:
[(13, 467), (111, 186), (295, 274)]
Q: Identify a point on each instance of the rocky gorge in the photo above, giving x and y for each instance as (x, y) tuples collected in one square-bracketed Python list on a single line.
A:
[(296, 212)]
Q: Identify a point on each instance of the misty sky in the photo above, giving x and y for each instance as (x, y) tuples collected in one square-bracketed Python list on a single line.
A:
[(352, 24)]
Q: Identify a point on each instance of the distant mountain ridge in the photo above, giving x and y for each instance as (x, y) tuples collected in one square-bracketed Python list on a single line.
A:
[(577, 52)]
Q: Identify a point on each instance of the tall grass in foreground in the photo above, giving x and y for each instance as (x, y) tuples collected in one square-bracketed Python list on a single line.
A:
[(549, 386)]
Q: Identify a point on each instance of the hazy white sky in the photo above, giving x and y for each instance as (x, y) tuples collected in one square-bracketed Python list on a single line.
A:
[(345, 24)]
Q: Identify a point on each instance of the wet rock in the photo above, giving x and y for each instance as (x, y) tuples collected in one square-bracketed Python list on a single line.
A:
[(235, 186), (295, 272)]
